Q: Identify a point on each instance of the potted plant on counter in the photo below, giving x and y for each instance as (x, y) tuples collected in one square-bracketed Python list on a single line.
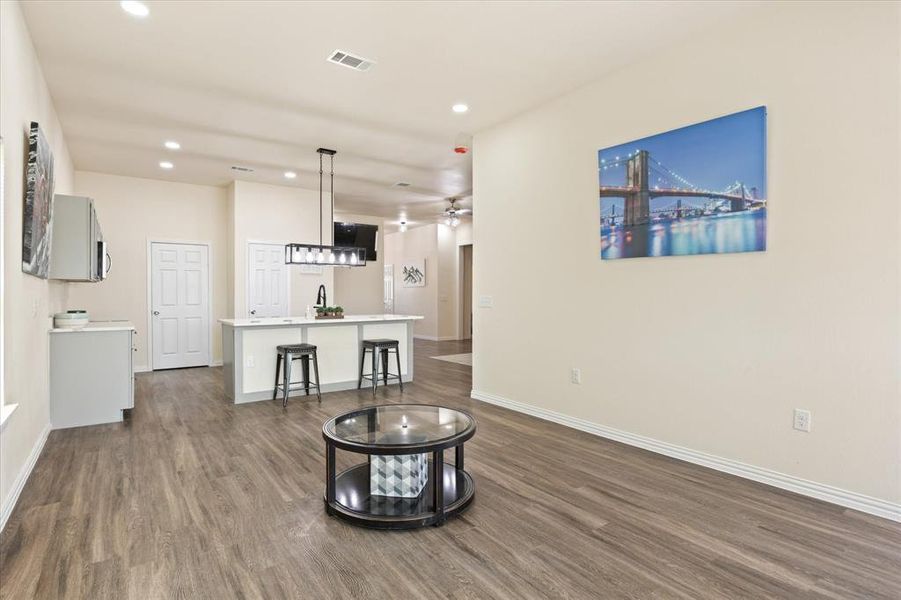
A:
[(329, 312)]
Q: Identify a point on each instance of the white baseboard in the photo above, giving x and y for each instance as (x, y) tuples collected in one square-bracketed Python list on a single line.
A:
[(432, 338), (146, 369), (10, 503), (848, 499)]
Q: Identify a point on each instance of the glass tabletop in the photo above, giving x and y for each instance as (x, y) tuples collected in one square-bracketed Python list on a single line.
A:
[(399, 425)]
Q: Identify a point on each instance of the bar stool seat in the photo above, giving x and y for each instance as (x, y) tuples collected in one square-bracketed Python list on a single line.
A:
[(296, 348), (288, 353), (379, 342), (380, 347)]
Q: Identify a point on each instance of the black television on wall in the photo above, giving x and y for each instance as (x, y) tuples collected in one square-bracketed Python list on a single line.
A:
[(359, 235)]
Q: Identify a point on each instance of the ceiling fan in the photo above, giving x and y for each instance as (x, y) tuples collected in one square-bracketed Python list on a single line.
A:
[(452, 213)]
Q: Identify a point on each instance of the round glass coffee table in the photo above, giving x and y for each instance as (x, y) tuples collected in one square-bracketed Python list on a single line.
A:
[(405, 482)]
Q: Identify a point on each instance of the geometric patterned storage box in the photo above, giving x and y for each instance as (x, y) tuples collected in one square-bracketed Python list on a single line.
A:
[(403, 475)]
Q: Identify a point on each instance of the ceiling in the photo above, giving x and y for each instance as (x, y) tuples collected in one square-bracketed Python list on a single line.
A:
[(247, 83)]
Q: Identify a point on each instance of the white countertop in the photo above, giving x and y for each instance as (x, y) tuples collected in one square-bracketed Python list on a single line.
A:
[(289, 321), (97, 326)]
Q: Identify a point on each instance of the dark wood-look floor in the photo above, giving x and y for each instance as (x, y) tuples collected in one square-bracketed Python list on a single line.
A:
[(199, 498)]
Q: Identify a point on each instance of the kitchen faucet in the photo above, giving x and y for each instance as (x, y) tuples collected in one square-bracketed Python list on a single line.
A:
[(320, 296)]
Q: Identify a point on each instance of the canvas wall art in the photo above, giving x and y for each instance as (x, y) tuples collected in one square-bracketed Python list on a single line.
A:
[(38, 207), (412, 273), (699, 189)]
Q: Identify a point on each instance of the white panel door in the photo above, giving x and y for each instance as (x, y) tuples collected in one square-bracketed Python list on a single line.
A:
[(267, 281), (180, 300)]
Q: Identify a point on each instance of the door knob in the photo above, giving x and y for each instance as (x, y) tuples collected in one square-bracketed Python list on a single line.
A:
[(156, 312)]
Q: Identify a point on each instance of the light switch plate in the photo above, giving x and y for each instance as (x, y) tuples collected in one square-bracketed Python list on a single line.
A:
[(486, 301)]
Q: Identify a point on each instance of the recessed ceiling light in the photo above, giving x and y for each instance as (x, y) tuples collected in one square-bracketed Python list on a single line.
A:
[(290, 174), (165, 164), (459, 108), (172, 145), (135, 8)]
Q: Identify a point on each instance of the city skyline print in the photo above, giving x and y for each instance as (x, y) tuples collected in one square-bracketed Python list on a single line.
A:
[(699, 189)]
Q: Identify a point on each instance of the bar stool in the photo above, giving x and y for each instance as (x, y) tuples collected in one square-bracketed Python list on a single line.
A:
[(288, 354), (380, 347)]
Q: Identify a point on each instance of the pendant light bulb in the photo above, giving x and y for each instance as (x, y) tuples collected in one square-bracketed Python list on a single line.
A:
[(403, 226)]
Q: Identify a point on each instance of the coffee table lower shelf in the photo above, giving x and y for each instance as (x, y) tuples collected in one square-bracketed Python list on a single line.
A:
[(355, 504)]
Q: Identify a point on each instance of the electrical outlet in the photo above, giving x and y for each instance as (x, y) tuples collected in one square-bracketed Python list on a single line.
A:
[(576, 376), (802, 420), (249, 362)]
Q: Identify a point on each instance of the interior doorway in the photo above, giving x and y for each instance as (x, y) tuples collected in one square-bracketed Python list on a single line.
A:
[(466, 292), (179, 305), (268, 281)]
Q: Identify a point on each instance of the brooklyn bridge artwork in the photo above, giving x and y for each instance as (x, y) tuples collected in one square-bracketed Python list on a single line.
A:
[(699, 189)]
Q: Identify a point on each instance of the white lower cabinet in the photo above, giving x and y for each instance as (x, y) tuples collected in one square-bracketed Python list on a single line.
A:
[(91, 375)]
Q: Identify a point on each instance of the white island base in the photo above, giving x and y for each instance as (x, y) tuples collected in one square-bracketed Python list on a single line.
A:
[(249, 351)]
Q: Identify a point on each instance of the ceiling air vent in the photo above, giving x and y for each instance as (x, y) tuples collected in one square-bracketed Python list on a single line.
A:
[(351, 61), (402, 184), (242, 169)]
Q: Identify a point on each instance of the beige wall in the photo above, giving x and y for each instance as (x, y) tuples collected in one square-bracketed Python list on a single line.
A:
[(360, 290), (273, 213), (230, 249), (133, 212), (439, 301), (712, 353), (414, 244), (28, 302), (448, 275)]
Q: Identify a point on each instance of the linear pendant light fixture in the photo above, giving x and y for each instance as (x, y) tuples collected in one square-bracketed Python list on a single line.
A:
[(321, 254)]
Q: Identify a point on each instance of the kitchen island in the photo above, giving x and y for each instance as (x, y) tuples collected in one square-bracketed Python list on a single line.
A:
[(249, 350)]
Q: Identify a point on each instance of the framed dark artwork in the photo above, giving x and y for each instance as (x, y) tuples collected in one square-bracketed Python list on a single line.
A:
[(38, 209), (699, 189)]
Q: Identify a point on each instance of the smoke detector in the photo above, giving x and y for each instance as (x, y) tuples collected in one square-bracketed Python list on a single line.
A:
[(351, 61)]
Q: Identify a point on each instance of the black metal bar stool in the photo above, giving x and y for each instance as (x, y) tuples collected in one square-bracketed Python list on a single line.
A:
[(380, 347), (288, 354)]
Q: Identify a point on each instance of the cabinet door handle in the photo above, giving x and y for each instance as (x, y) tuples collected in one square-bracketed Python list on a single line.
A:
[(156, 313), (253, 312)]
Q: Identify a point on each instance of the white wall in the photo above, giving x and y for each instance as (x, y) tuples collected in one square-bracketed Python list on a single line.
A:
[(134, 211), (273, 213), (712, 353), (360, 290), (29, 302)]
